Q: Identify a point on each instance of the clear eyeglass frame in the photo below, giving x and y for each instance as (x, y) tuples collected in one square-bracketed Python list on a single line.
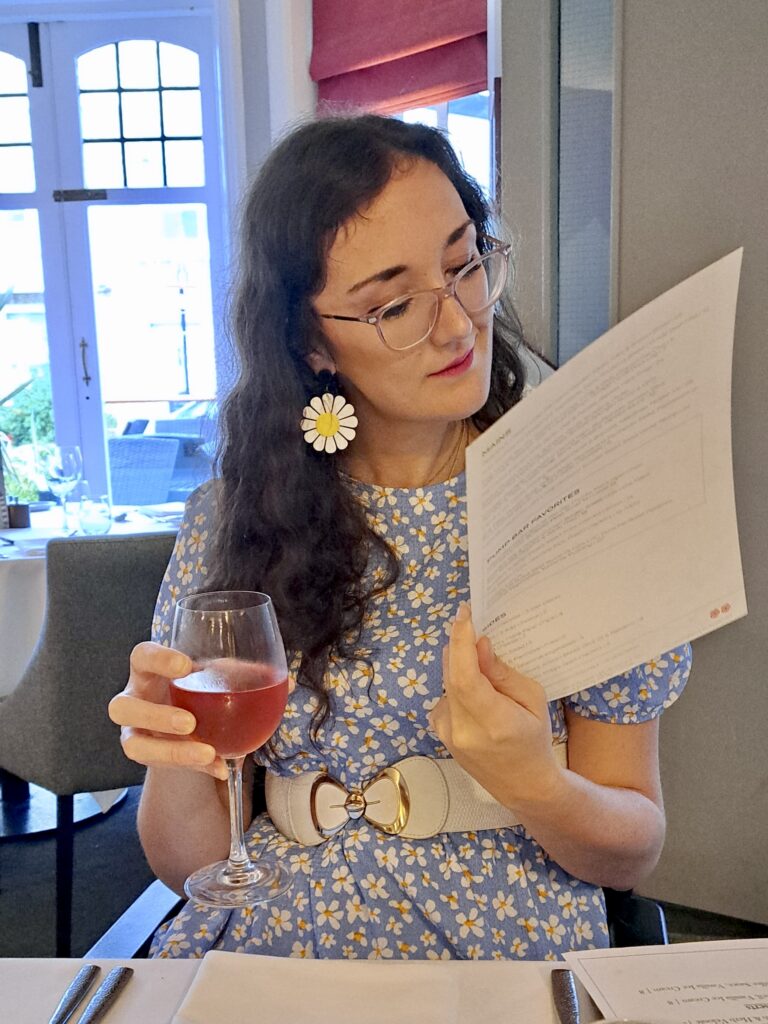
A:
[(447, 291)]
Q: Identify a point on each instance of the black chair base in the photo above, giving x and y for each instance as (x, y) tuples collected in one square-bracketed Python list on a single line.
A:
[(29, 811)]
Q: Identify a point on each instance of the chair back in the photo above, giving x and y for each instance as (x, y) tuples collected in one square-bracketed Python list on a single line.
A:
[(141, 467), (192, 467), (54, 727)]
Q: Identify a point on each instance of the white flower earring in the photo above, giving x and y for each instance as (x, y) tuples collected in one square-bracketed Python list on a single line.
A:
[(329, 420)]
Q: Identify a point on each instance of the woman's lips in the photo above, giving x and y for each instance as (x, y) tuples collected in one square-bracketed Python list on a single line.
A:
[(457, 368)]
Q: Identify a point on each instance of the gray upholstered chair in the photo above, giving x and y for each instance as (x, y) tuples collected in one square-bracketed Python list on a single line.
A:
[(54, 728), (141, 467)]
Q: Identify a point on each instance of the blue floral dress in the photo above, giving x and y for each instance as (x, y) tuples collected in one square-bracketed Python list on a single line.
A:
[(365, 894)]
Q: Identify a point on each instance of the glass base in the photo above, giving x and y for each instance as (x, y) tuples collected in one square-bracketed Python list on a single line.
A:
[(217, 886)]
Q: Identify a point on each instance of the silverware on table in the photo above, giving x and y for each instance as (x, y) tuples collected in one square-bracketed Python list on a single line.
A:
[(106, 994), (74, 995), (565, 996)]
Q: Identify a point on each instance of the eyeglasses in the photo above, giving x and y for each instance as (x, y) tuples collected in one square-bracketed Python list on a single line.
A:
[(409, 320)]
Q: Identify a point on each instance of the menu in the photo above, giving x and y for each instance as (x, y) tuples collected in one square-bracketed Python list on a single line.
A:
[(602, 521), (690, 982)]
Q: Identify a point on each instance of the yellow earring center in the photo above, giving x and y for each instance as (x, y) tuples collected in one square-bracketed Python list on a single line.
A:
[(327, 424)]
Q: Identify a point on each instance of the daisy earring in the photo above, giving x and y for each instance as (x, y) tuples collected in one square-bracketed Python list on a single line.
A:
[(329, 420)]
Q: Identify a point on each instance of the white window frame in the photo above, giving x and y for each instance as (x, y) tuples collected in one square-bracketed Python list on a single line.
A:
[(56, 145)]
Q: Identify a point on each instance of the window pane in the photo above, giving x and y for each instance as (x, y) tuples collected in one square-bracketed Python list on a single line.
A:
[(154, 324), (182, 113), (144, 164), (471, 138), (137, 59), (27, 417), (141, 115), (99, 115), (184, 164), (178, 66), (97, 69), (13, 74), (421, 115), (17, 169), (14, 119), (103, 165)]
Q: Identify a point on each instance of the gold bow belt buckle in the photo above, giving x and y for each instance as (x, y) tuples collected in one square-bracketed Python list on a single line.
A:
[(416, 798), (384, 802)]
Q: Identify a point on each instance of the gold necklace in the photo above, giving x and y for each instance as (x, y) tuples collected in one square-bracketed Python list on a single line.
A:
[(454, 458)]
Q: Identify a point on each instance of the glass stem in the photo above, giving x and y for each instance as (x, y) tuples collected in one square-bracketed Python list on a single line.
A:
[(239, 860)]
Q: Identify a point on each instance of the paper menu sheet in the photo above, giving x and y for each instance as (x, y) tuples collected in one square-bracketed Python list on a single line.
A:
[(602, 526), (691, 982)]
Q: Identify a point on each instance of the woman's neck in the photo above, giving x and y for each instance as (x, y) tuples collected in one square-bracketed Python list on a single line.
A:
[(408, 458)]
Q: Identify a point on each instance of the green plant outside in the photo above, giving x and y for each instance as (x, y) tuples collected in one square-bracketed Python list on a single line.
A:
[(28, 417)]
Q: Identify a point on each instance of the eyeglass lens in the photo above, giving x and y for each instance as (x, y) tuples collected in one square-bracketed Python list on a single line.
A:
[(412, 318)]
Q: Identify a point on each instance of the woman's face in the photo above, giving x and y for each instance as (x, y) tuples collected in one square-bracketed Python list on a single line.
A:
[(415, 235)]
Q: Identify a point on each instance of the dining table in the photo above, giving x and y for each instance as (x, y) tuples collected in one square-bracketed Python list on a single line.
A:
[(164, 991)]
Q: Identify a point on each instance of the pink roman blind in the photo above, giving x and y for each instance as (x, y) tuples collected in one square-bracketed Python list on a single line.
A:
[(388, 55)]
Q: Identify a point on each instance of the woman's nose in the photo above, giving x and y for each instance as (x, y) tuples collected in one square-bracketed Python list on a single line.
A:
[(453, 323)]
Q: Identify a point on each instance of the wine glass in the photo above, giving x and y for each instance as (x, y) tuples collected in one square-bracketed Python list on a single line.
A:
[(237, 693), (62, 467), (95, 513)]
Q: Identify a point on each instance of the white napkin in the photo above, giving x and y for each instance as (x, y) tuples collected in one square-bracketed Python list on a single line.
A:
[(244, 989)]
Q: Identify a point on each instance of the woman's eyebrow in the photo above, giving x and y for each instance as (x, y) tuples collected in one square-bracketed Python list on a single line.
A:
[(390, 272), (456, 235)]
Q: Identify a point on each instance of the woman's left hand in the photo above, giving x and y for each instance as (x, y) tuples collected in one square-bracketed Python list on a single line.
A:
[(494, 720)]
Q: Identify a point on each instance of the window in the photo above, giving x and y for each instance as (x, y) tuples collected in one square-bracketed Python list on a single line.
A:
[(140, 115), (467, 123), (112, 229), (17, 171)]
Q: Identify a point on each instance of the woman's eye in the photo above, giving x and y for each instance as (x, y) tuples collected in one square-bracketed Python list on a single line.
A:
[(393, 312), (463, 266)]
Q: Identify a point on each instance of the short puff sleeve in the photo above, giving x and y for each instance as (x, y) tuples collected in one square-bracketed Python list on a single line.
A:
[(638, 695)]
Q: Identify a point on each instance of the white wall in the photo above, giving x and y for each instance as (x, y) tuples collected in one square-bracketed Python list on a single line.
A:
[(694, 145), (692, 187), (276, 45)]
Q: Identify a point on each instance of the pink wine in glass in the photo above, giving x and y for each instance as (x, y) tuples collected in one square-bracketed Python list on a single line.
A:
[(237, 704)]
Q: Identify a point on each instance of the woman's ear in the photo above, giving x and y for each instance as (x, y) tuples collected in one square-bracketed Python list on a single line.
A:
[(318, 361)]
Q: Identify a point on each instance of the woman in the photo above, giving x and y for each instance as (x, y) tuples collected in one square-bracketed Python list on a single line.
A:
[(358, 267)]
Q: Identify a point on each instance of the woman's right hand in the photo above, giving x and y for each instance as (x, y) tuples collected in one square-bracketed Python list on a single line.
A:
[(154, 732)]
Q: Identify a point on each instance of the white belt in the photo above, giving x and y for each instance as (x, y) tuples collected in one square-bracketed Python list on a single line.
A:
[(416, 798)]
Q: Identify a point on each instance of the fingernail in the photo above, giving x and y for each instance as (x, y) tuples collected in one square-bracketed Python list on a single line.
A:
[(203, 755), (183, 722), (463, 613)]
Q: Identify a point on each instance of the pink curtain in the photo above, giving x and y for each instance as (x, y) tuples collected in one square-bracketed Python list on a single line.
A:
[(387, 55)]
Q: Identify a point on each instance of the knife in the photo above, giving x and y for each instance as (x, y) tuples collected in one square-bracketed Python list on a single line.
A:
[(106, 994), (74, 995), (565, 996)]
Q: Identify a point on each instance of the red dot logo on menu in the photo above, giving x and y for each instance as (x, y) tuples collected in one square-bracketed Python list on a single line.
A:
[(725, 608), (714, 613)]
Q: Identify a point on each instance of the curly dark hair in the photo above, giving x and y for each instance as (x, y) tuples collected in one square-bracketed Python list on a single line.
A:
[(288, 524)]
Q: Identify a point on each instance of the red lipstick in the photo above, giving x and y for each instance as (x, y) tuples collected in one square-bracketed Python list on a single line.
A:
[(458, 366)]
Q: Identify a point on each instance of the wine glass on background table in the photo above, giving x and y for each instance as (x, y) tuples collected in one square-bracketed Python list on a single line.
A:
[(62, 466), (237, 693)]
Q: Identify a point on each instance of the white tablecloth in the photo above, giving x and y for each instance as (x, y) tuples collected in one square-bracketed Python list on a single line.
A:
[(30, 989), (22, 606), (493, 993)]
